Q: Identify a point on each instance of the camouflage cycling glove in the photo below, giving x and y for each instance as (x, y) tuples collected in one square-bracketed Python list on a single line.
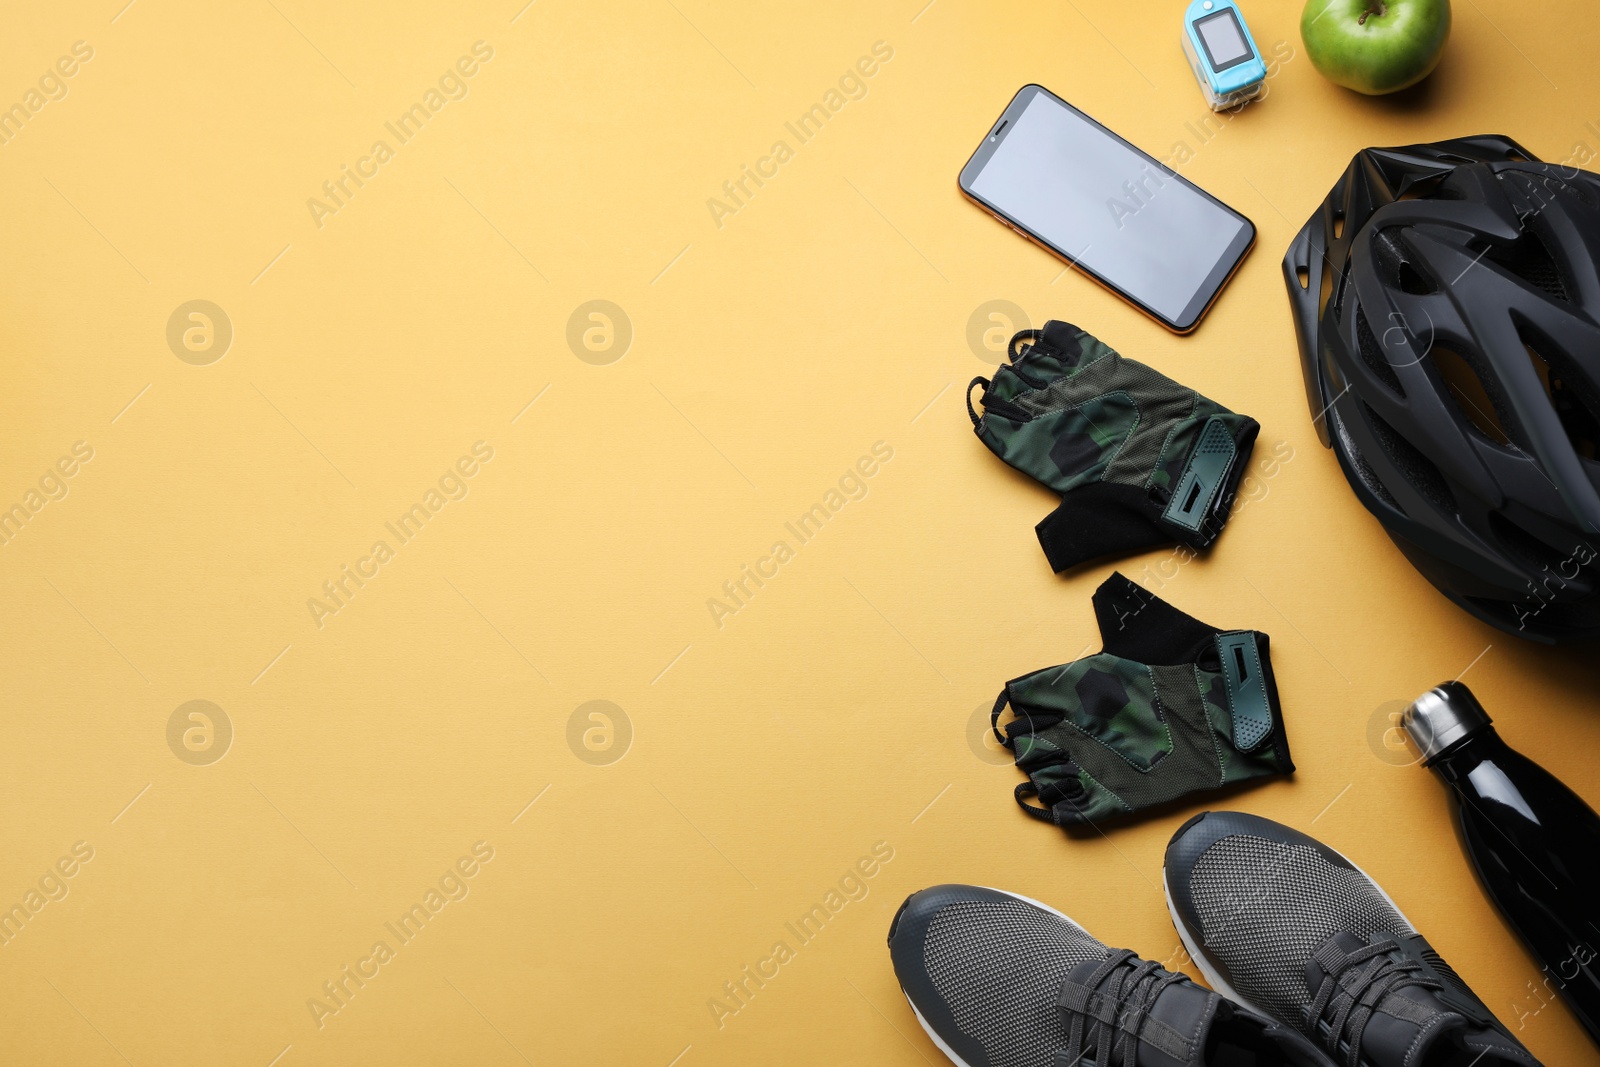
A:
[(1170, 707), (1138, 459)]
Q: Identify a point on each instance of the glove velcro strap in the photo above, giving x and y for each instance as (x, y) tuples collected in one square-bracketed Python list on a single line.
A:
[(1203, 497), (1245, 681), (1202, 479)]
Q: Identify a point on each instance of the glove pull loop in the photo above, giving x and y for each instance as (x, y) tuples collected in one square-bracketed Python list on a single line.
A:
[(1068, 789), (994, 718), (970, 409), (1028, 789), (1029, 336)]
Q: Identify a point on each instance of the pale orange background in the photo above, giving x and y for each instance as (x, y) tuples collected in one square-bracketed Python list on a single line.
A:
[(834, 711)]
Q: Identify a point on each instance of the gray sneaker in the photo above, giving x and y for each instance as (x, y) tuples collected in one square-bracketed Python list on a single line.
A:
[(1288, 927), (999, 980)]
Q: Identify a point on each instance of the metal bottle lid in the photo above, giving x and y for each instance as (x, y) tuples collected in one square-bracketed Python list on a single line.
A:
[(1442, 716)]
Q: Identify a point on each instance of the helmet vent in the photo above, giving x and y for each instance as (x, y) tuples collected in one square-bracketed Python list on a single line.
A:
[(1528, 258), (1579, 189), (1574, 405), (1537, 554), (1394, 265), (1412, 281), (1364, 471), (1423, 187), (1417, 468), (1472, 398), (1372, 355)]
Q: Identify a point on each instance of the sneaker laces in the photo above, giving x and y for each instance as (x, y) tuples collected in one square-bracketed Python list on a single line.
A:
[(1109, 1008), (1373, 974)]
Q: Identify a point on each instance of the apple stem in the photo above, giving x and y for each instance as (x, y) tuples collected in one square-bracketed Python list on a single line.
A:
[(1380, 10)]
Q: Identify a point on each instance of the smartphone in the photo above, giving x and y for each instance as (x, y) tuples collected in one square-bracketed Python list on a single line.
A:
[(1118, 214)]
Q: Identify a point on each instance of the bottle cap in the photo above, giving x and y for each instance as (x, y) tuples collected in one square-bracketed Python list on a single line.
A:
[(1442, 716)]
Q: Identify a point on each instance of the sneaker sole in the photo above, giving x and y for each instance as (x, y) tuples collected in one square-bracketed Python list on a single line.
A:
[(1212, 977), (932, 1035)]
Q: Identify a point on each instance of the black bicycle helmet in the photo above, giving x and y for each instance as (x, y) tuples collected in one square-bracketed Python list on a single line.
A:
[(1446, 300)]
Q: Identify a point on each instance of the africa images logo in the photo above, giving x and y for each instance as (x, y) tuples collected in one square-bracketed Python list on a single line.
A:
[(852, 486), (452, 886), (853, 886), (453, 484), (337, 192), (852, 85)]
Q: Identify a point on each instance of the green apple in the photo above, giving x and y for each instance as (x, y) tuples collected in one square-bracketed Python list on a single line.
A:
[(1375, 46)]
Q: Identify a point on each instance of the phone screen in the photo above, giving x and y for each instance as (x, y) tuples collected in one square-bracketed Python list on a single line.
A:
[(1108, 207)]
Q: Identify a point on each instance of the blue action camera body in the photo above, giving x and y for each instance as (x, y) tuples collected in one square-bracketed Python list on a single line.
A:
[(1222, 53)]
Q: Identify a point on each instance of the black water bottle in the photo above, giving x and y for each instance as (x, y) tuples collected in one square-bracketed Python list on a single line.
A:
[(1534, 843)]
